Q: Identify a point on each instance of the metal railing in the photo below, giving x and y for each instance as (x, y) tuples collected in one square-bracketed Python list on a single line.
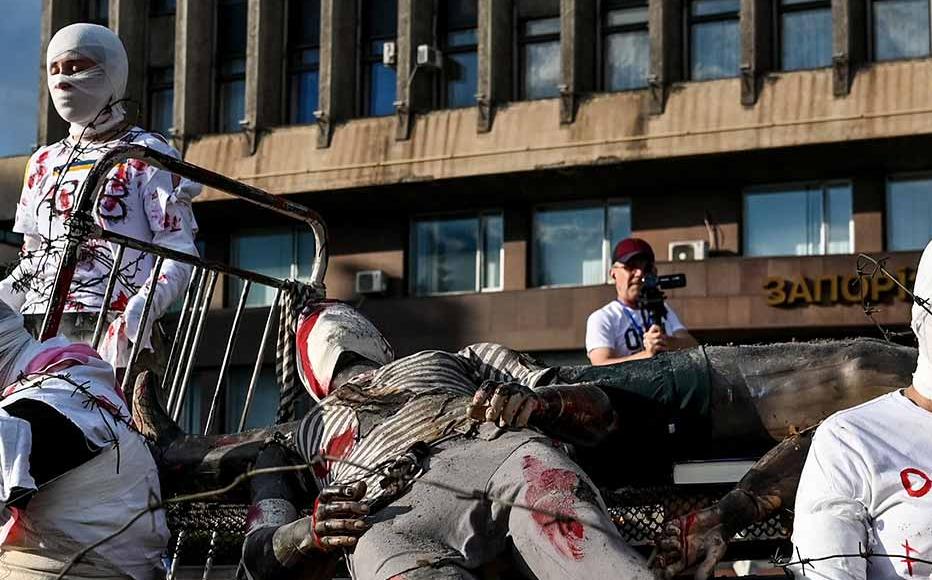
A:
[(81, 227)]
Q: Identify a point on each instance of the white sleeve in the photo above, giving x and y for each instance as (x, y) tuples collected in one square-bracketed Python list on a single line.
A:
[(599, 331), (673, 323), (831, 516)]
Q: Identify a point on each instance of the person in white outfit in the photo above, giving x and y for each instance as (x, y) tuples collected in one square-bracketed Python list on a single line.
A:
[(72, 469), (866, 484), (87, 71)]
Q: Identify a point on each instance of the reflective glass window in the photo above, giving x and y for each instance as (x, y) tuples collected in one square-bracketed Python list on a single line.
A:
[(20, 39), (909, 213), (626, 47), (804, 220), (303, 60), (380, 25), (457, 254), (231, 69), (265, 398), (713, 39), (899, 29), (460, 40), (279, 253), (805, 34), (571, 244), (540, 58), (161, 99)]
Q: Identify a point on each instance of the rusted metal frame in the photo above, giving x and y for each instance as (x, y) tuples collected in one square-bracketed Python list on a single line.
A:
[(259, 359), (193, 285), (227, 353), (108, 293), (143, 321), (183, 353), (192, 352), (81, 222)]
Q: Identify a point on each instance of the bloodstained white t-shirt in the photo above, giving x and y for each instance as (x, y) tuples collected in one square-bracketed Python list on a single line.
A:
[(621, 328), (867, 486)]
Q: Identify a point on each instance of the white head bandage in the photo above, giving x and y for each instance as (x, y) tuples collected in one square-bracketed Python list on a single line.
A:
[(922, 324), (83, 98)]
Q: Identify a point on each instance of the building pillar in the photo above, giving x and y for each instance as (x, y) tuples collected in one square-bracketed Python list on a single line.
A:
[(577, 54), (265, 27), (756, 47), (56, 14), (849, 42), (194, 24), (665, 23), (413, 87), (129, 19), (337, 66), (496, 69)]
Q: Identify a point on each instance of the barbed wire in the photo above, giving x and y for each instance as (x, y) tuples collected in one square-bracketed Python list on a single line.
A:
[(460, 493), (869, 268), (861, 553)]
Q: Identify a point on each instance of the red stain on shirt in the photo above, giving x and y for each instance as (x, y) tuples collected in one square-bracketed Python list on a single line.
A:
[(908, 483), (338, 448), (554, 491), (120, 303)]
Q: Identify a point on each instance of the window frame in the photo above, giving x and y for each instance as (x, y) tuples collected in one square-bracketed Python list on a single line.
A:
[(479, 216), (788, 187), (521, 40), (365, 60), (872, 41), (156, 10), (604, 31), (605, 204), (153, 87), (292, 70), (219, 77), (689, 20), (234, 287), (905, 176), (779, 9), (442, 33)]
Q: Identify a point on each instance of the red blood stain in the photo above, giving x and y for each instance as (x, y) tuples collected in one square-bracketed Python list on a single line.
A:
[(908, 483), (338, 447), (554, 491), (120, 303), (137, 164), (684, 532), (909, 561), (40, 170)]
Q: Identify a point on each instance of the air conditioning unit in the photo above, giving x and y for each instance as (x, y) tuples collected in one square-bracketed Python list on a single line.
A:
[(689, 250), (389, 54), (430, 57), (371, 282)]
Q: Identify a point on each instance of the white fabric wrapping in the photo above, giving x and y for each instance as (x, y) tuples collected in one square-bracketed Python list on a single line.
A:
[(85, 104), (15, 446), (922, 324)]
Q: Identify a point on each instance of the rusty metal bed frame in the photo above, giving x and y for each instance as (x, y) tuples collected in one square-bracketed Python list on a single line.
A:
[(214, 531)]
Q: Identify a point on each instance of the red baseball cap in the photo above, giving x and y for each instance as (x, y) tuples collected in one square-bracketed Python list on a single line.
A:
[(631, 247)]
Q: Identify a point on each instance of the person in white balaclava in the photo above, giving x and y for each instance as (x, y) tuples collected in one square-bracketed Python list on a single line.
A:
[(867, 482), (72, 469), (87, 71)]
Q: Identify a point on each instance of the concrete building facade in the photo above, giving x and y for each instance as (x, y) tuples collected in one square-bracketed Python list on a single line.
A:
[(485, 155)]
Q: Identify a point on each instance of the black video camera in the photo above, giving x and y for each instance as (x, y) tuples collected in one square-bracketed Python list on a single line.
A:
[(651, 300)]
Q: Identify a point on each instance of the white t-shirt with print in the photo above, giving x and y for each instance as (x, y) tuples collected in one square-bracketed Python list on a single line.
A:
[(621, 328), (867, 485), (138, 200)]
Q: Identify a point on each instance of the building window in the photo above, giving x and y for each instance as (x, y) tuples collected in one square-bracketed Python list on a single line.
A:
[(231, 65), (805, 34), (460, 43), (265, 398), (161, 99), (303, 60), (539, 67), (804, 220), (909, 213), (162, 7), (279, 253), (380, 26), (713, 39), (457, 254), (625, 46), (97, 11), (899, 29), (573, 245)]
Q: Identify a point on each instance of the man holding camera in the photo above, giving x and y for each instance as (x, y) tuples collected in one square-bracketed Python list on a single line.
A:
[(623, 330)]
